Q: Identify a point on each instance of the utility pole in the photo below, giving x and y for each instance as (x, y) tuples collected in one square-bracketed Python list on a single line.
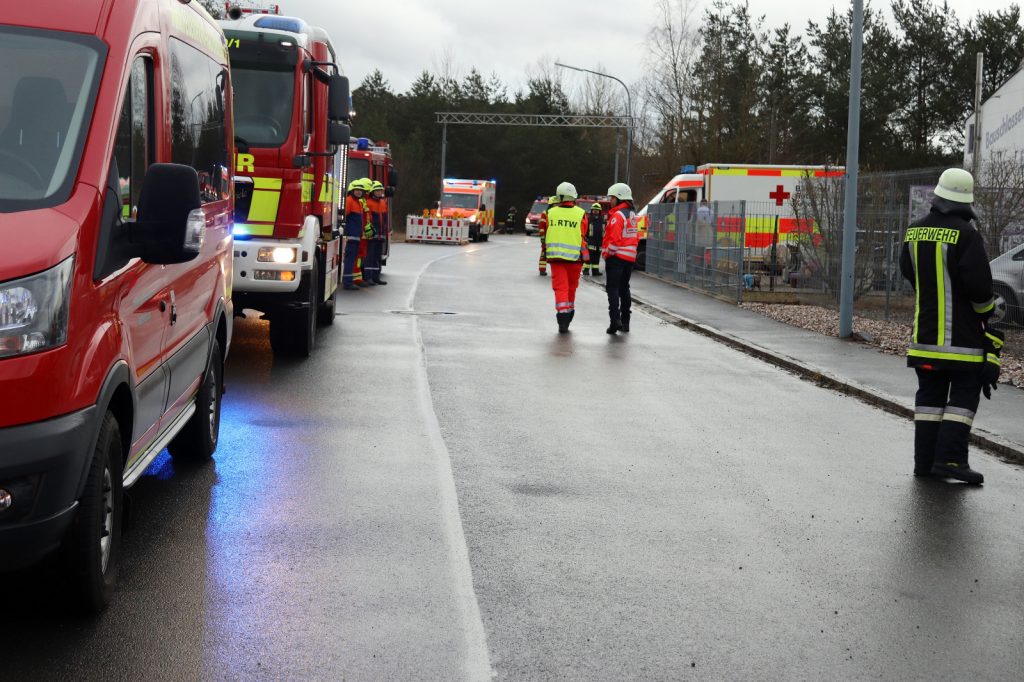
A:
[(846, 284), (976, 157)]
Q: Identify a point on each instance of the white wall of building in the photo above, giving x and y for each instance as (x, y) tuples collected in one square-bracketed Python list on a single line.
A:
[(1002, 122)]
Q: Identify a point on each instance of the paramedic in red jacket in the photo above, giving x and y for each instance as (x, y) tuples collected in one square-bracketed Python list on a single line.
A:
[(619, 250)]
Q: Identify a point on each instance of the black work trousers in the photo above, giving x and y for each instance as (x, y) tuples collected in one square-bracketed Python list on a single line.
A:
[(944, 410), (617, 272)]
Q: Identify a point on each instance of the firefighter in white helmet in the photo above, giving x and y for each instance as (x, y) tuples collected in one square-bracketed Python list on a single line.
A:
[(954, 347), (619, 250), (565, 248)]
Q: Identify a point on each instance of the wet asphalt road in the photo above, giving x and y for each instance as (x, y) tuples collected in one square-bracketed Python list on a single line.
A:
[(439, 496)]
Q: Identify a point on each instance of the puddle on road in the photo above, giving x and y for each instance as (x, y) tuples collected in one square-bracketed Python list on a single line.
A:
[(422, 312)]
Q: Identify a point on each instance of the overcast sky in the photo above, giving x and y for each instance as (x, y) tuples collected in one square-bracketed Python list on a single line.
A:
[(402, 37)]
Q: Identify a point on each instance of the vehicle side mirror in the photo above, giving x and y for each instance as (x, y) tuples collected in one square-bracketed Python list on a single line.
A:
[(393, 177), (338, 134), (338, 99), (171, 225)]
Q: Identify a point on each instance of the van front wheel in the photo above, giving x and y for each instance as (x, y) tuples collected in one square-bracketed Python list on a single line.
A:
[(93, 542)]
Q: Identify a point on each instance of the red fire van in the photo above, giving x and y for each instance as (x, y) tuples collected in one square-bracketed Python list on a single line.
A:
[(115, 267)]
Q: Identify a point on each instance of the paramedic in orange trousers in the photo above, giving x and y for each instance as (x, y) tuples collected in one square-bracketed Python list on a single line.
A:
[(565, 247), (619, 249)]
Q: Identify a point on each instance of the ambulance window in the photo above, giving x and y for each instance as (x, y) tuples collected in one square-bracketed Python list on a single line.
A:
[(198, 126), (134, 136)]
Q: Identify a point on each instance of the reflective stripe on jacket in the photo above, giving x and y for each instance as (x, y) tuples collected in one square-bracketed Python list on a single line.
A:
[(621, 236), (944, 259), (563, 239)]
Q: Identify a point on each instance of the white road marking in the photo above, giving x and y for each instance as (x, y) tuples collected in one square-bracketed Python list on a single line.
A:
[(477, 665)]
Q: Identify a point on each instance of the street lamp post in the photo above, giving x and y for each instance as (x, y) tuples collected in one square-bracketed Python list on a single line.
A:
[(629, 111)]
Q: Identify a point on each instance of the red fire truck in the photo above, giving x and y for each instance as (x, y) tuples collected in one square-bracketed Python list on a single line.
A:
[(369, 159), (291, 109)]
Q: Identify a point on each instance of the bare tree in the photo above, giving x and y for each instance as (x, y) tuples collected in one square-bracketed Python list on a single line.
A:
[(819, 208), (673, 43), (999, 199), (214, 7)]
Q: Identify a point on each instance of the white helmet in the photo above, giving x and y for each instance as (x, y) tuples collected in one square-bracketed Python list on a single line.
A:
[(621, 191), (567, 191), (956, 184)]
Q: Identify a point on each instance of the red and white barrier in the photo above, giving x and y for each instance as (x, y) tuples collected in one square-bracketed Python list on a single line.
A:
[(436, 230)]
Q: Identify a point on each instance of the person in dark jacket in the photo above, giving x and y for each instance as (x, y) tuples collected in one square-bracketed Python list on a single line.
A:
[(954, 348), (595, 236)]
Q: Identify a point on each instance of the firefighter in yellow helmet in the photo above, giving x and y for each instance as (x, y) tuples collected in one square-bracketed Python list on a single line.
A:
[(565, 246), (542, 228), (355, 221)]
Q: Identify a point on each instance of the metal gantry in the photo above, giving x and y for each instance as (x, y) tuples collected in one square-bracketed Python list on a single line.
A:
[(534, 120)]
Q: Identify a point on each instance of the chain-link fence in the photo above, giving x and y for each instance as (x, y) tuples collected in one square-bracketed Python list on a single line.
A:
[(792, 253)]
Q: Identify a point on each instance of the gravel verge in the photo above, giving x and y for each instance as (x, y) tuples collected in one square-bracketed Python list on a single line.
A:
[(889, 336)]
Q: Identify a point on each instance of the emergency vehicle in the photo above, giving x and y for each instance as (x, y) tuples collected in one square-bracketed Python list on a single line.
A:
[(290, 107), (532, 220), (369, 159), (472, 200), (766, 189), (115, 308)]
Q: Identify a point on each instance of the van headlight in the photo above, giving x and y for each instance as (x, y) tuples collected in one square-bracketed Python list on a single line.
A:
[(34, 311)]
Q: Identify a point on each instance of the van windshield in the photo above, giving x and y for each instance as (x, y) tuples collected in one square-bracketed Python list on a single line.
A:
[(264, 94), (48, 86), (459, 200)]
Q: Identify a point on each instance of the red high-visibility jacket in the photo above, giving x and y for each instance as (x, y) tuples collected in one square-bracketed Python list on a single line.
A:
[(620, 236)]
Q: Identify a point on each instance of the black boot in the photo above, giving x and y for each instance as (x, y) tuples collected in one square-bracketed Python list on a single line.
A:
[(563, 322), (613, 327), (961, 471), (572, 314), (625, 323)]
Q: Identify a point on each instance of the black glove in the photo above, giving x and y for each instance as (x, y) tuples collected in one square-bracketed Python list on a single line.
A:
[(990, 368), (989, 377)]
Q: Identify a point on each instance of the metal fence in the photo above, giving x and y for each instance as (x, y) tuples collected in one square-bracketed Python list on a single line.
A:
[(762, 252), (752, 251)]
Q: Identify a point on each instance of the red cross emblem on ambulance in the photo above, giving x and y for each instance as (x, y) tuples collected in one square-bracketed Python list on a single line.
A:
[(780, 195)]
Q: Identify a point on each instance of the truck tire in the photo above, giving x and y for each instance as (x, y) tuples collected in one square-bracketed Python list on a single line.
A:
[(93, 542), (197, 441), (293, 332)]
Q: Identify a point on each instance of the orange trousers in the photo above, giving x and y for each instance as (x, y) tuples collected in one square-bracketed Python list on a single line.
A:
[(565, 279)]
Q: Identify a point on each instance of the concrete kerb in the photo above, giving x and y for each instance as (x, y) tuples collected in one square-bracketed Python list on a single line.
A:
[(1007, 450)]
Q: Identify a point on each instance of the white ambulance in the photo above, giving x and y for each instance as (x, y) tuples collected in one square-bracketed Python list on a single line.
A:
[(766, 189)]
